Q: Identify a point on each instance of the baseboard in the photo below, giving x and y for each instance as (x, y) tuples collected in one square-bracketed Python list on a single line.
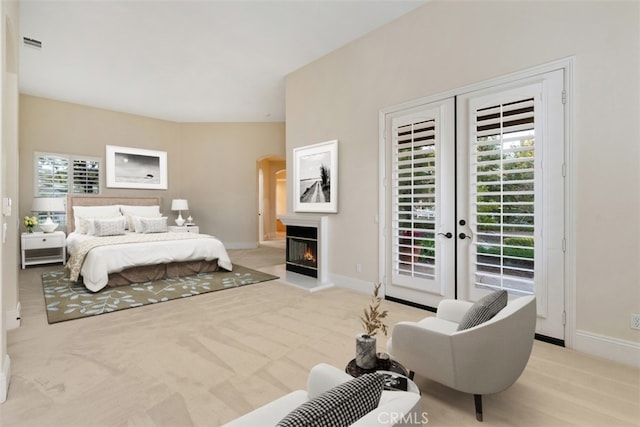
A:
[(13, 317), (621, 351), (5, 377), (357, 285)]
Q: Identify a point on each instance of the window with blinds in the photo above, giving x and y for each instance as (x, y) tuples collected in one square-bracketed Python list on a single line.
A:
[(503, 188), (58, 174), (414, 190)]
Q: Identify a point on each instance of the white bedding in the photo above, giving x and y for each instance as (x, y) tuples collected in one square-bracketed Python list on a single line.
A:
[(102, 260)]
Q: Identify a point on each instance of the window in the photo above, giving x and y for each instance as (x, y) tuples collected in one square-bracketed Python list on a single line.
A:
[(56, 175)]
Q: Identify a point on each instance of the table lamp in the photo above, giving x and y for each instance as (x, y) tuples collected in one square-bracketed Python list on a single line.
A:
[(48, 205), (179, 205)]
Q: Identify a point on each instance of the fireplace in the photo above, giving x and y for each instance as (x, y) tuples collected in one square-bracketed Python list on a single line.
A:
[(302, 250), (306, 251)]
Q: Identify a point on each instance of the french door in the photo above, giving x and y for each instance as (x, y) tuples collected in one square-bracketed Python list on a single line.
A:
[(474, 198)]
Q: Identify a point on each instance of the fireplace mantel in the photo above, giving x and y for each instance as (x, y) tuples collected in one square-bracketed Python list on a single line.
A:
[(321, 223)]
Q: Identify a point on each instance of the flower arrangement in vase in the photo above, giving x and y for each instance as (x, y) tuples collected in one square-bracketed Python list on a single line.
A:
[(30, 222), (372, 322)]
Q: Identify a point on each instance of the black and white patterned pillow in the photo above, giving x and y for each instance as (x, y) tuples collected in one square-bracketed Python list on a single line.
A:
[(484, 309), (341, 406)]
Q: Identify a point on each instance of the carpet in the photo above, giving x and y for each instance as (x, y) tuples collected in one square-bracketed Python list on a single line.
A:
[(67, 300)]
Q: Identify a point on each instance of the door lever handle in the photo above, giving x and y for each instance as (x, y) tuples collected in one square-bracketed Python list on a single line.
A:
[(464, 236), (448, 235)]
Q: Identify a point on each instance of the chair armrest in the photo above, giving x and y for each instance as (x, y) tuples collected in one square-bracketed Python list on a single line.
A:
[(453, 310), (324, 377)]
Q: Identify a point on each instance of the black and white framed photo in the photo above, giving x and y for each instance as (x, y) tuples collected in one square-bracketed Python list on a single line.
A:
[(136, 168), (315, 177)]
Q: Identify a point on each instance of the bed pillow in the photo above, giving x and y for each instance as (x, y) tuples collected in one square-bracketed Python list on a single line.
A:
[(110, 211), (109, 226), (152, 225), (341, 406), (142, 211), (484, 309)]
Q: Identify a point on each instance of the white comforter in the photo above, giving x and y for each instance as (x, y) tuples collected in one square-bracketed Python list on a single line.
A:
[(102, 260)]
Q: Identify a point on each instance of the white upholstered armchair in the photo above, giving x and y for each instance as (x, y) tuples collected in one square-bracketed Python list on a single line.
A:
[(483, 359)]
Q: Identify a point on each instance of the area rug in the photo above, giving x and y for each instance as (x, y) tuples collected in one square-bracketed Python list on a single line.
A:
[(67, 300)]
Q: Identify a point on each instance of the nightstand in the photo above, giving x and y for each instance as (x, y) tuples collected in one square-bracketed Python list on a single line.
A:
[(43, 248), (184, 229)]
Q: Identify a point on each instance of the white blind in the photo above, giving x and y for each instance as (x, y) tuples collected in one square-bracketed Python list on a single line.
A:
[(504, 169), (414, 192), (52, 175), (86, 176)]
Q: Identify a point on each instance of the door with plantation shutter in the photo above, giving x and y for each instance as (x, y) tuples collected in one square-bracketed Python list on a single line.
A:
[(511, 195), (474, 197), (420, 256)]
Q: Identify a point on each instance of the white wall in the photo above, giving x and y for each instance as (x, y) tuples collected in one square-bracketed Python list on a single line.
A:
[(447, 45)]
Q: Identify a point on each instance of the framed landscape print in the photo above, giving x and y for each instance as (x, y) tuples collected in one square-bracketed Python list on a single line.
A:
[(136, 168), (315, 177)]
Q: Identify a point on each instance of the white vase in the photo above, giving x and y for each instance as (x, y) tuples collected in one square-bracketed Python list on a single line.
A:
[(365, 351)]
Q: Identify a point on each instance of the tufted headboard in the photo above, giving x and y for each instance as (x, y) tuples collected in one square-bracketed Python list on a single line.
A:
[(98, 200)]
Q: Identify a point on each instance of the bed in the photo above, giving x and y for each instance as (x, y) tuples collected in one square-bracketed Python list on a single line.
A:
[(119, 240)]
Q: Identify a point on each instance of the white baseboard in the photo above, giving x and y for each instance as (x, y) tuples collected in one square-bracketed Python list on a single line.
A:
[(621, 351), (13, 317), (5, 377), (357, 285)]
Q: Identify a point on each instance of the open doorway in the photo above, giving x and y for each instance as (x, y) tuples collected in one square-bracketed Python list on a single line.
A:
[(272, 198)]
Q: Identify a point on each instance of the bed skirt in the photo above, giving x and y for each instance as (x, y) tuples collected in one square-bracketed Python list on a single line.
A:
[(147, 273)]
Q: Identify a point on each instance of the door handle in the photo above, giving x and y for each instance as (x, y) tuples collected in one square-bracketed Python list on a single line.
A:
[(463, 236), (448, 235)]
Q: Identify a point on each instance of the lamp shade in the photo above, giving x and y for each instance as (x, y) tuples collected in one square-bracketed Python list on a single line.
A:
[(48, 204), (179, 205)]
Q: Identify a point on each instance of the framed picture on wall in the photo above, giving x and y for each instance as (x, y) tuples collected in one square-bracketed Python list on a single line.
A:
[(315, 177), (136, 168)]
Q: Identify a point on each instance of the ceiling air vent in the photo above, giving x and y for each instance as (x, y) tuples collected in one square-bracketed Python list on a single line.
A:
[(32, 42)]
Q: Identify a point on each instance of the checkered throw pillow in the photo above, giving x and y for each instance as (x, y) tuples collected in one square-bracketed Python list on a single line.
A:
[(341, 406), (484, 309)]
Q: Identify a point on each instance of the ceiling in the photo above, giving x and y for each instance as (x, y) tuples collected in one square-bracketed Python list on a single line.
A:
[(186, 61)]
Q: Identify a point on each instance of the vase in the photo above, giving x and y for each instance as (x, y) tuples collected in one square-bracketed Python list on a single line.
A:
[(365, 351), (29, 230)]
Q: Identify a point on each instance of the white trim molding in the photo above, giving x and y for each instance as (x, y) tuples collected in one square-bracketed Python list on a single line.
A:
[(621, 351), (5, 377), (13, 317)]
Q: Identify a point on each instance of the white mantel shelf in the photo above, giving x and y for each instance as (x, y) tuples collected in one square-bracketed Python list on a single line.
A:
[(321, 223)]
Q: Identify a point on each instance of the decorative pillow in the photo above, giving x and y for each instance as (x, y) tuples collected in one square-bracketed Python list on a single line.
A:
[(153, 225), (144, 211), (484, 309), (109, 227), (341, 406), (109, 211)]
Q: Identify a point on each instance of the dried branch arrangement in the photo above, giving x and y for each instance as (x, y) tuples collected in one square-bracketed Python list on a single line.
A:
[(372, 318)]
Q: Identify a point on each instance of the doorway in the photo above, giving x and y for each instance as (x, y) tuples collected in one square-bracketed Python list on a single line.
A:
[(474, 197), (272, 201)]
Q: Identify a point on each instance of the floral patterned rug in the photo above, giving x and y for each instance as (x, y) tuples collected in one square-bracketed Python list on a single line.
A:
[(67, 300)]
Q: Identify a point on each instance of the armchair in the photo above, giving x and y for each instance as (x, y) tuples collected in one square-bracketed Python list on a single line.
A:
[(483, 359)]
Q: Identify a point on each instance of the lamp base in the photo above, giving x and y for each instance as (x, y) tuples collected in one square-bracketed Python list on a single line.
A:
[(180, 220)]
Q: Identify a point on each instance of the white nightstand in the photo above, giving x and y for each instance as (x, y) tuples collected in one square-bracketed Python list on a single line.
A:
[(43, 248), (184, 229)]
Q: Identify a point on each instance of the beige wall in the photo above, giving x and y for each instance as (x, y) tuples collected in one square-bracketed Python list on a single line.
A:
[(447, 45), (213, 166), (8, 181)]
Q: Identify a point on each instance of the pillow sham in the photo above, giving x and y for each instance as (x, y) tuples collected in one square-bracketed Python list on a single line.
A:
[(109, 211), (109, 227), (152, 225), (130, 211)]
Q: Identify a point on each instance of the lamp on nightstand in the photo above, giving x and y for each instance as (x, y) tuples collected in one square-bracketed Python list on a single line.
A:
[(179, 205), (48, 205)]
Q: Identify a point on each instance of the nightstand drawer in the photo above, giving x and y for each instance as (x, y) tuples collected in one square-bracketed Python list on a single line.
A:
[(42, 242)]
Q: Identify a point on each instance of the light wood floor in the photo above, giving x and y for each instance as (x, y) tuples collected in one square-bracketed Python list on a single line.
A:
[(205, 360)]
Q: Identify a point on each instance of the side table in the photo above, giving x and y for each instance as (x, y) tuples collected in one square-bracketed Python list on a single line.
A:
[(393, 369), (43, 248), (184, 229)]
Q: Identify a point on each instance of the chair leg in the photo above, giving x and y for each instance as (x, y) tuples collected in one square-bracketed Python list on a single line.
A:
[(411, 374), (477, 398)]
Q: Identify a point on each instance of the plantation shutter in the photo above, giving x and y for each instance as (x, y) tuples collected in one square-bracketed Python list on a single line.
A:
[(52, 175), (86, 176), (414, 191), (504, 178)]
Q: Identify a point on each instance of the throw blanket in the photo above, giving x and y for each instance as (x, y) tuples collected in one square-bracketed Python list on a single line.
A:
[(77, 257)]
